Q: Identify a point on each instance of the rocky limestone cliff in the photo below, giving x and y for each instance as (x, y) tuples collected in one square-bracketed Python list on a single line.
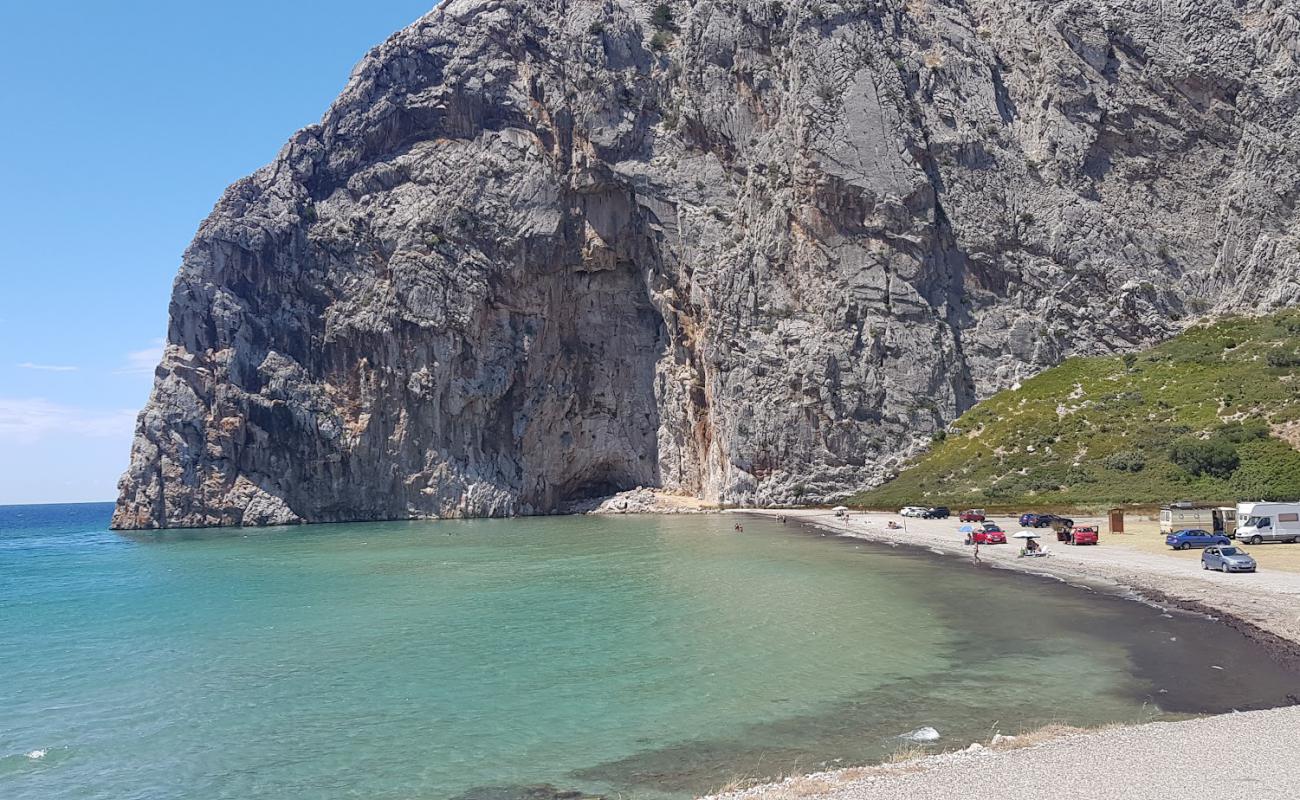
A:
[(751, 251)]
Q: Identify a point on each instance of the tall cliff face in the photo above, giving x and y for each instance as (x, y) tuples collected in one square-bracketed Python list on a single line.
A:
[(540, 250)]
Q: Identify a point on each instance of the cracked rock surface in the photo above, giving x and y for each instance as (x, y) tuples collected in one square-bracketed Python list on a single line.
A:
[(540, 251)]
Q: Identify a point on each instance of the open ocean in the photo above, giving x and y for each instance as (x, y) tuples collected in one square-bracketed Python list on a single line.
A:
[(640, 656)]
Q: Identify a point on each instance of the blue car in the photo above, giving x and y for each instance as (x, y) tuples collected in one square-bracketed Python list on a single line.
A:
[(1188, 538)]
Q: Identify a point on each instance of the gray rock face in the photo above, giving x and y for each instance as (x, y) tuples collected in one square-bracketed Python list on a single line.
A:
[(544, 250)]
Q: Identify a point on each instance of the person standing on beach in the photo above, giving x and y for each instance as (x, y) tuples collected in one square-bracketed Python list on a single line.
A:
[(975, 554)]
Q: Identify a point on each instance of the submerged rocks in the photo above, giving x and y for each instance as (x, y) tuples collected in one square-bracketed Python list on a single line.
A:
[(540, 791), (924, 734), (541, 252)]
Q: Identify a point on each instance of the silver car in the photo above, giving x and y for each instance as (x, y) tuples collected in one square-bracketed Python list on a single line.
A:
[(1227, 559)]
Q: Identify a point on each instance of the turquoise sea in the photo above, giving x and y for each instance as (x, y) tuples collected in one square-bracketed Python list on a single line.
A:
[(632, 656)]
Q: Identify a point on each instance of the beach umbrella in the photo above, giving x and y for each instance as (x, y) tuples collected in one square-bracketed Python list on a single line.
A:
[(966, 529), (1026, 535)]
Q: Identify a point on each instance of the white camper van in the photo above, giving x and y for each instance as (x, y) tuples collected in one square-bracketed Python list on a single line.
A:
[(1269, 522)]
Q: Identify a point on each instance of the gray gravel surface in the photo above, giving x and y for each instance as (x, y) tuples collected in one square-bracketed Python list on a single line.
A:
[(1250, 756)]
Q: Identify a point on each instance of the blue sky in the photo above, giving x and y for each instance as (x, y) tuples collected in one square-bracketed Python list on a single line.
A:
[(121, 124)]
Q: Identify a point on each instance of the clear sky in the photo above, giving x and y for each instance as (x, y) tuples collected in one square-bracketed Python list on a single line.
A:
[(120, 124)]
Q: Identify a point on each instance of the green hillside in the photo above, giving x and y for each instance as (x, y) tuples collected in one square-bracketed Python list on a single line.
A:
[(1210, 415)]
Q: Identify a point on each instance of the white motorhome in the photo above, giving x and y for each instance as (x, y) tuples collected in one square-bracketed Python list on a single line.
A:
[(1243, 511), (1217, 519), (1269, 522)]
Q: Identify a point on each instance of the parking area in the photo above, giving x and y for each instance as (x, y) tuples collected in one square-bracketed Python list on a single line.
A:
[(1141, 536)]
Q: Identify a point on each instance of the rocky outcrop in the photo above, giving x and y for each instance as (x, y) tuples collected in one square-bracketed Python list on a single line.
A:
[(752, 251)]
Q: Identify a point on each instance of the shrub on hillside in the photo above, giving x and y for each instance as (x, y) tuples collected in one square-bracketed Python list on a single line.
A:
[(1242, 432), (1215, 457), (1289, 322), (1270, 470), (662, 18), (1077, 475), (1282, 358), (1036, 482), (1125, 461)]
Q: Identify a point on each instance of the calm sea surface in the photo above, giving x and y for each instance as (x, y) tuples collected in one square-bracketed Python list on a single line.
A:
[(645, 656)]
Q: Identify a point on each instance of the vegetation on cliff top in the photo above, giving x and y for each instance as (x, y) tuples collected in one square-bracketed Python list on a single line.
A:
[(1211, 415)]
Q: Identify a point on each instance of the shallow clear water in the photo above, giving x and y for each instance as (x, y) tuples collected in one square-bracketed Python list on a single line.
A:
[(645, 656)]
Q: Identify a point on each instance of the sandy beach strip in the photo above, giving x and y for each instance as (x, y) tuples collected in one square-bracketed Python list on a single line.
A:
[(1253, 755)]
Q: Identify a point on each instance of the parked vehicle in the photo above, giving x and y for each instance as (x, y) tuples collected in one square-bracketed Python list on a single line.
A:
[(1032, 520), (1054, 522), (1244, 511), (1180, 516), (1188, 538), (989, 536), (972, 515), (1270, 522), (936, 512), (991, 526), (1084, 534), (1227, 559), (911, 511)]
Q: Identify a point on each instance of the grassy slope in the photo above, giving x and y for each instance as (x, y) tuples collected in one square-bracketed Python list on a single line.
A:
[(1047, 442)]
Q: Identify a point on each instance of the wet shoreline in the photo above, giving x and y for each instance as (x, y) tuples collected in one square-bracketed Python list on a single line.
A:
[(1280, 650), (1283, 649)]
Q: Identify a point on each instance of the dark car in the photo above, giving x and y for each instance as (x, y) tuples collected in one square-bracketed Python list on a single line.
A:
[(937, 512), (1052, 521), (1188, 538), (1029, 520)]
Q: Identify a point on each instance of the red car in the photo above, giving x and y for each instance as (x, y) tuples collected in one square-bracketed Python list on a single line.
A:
[(989, 534), (1085, 534), (972, 515)]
